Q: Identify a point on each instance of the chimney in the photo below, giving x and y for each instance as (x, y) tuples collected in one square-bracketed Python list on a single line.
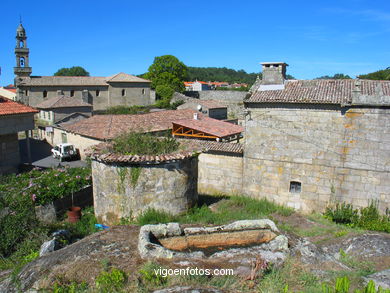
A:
[(273, 72), (195, 116)]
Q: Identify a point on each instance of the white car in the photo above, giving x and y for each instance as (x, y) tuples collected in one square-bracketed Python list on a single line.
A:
[(64, 151)]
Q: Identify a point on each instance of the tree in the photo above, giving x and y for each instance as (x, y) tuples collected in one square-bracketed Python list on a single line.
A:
[(72, 71), (377, 75), (169, 71), (336, 76)]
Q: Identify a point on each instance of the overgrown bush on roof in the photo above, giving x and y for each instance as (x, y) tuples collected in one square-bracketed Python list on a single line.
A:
[(144, 144)]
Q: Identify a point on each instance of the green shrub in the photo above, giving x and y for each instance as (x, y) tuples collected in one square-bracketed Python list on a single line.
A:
[(69, 287), (44, 186), (127, 110), (152, 216), (149, 277), (342, 213), (366, 218), (143, 144), (111, 281), (343, 286)]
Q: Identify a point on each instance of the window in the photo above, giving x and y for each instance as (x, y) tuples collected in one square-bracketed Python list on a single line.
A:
[(21, 61), (45, 94), (64, 137), (44, 115), (97, 93), (295, 187), (26, 92), (72, 93), (143, 91), (48, 115), (123, 92), (21, 44)]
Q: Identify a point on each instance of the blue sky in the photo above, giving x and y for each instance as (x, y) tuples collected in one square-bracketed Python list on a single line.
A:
[(106, 37)]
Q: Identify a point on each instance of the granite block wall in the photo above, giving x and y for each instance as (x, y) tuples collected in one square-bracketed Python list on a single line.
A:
[(120, 193), (336, 154), (220, 174)]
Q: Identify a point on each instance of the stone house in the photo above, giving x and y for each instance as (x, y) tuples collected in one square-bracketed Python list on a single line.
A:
[(101, 92), (14, 117), (312, 142), (210, 108), (99, 128), (57, 108)]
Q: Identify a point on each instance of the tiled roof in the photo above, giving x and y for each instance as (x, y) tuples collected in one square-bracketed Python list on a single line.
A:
[(124, 77), (337, 91), (9, 107), (188, 147), (215, 146), (62, 102), (110, 126), (78, 80), (211, 126)]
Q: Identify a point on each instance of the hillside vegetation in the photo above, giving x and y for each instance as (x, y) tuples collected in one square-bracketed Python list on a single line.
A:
[(377, 75)]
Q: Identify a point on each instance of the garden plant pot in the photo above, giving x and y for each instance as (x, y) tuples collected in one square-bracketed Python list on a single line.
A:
[(74, 214)]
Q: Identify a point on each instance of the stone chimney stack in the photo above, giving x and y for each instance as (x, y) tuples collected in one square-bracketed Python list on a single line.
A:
[(273, 73)]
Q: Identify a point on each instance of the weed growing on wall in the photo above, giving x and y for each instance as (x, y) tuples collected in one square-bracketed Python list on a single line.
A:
[(135, 173)]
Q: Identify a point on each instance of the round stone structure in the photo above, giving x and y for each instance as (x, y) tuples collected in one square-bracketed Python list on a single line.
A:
[(125, 186)]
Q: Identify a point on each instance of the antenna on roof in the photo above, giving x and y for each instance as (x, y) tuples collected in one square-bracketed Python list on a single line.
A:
[(20, 18)]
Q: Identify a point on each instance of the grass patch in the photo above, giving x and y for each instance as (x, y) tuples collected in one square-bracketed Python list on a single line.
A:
[(233, 209), (143, 144)]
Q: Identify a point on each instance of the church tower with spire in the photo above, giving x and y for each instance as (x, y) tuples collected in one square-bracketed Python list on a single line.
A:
[(22, 68)]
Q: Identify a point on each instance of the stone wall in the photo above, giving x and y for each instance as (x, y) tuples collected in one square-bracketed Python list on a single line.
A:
[(336, 154), (127, 191), (9, 153), (110, 95), (220, 174), (233, 100)]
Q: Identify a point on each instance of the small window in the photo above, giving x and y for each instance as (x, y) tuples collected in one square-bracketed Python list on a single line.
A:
[(48, 115), (26, 92), (123, 92), (97, 93), (143, 91), (72, 93), (267, 65), (45, 94), (295, 187), (44, 115)]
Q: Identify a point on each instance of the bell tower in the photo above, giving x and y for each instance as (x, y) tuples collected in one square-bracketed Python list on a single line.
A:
[(21, 53)]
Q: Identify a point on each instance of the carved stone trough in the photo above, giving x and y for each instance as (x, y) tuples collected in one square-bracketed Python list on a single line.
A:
[(249, 238)]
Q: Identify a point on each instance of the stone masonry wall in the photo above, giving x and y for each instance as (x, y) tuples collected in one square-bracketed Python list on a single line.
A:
[(219, 174), (232, 99), (9, 153), (337, 154), (119, 193)]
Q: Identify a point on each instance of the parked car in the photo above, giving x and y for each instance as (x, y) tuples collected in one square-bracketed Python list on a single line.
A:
[(65, 151)]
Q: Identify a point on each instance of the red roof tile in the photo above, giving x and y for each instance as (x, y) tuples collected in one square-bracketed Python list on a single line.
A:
[(337, 91), (9, 107), (110, 126), (210, 126)]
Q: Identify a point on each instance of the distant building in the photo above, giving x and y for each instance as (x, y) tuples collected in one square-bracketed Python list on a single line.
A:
[(101, 92), (57, 108), (8, 92), (14, 118), (210, 108), (197, 86)]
